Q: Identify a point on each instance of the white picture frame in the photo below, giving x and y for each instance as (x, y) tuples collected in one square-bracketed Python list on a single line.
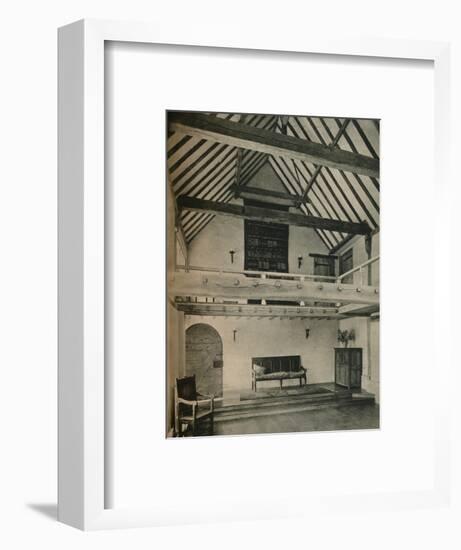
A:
[(81, 480)]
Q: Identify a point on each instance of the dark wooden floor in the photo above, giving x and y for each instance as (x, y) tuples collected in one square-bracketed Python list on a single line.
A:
[(350, 417)]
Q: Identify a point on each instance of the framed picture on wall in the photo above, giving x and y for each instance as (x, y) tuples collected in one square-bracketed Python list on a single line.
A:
[(191, 302)]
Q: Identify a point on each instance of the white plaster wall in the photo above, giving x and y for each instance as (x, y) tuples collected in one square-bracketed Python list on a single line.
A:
[(210, 248), (264, 337), (266, 178)]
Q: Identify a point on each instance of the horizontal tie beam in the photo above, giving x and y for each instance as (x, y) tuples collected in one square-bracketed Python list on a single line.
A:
[(242, 287), (271, 215), (266, 141)]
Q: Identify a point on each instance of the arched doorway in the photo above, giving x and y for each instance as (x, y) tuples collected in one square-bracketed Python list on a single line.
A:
[(204, 358)]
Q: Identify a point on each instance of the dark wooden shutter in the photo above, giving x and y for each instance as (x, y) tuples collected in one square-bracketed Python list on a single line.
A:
[(324, 265)]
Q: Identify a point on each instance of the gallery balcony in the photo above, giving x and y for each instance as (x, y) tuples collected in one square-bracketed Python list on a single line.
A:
[(211, 291)]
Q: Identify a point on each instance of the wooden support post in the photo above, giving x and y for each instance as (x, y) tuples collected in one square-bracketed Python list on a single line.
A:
[(238, 169), (174, 223), (180, 238), (368, 241)]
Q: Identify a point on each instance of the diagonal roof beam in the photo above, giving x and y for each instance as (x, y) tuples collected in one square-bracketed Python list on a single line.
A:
[(283, 124), (266, 141), (291, 189), (238, 167), (319, 167), (345, 178), (241, 167), (255, 193), (302, 198), (270, 215)]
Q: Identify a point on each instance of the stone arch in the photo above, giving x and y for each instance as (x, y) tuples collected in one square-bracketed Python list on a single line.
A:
[(204, 358)]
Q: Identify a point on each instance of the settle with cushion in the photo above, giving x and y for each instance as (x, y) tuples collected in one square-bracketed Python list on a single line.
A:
[(286, 367)]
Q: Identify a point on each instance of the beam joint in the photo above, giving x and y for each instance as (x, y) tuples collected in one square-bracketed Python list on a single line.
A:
[(266, 141)]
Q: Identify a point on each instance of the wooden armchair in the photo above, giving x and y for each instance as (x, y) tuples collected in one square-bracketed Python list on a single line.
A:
[(191, 407)]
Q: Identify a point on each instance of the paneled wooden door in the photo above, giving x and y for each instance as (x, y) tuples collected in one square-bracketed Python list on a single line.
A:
[(348, 367), (355, 368)]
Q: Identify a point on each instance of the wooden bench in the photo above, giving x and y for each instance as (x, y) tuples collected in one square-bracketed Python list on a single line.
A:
[(285, 367)]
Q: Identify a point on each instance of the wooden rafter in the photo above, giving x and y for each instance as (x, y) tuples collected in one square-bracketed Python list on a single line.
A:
[(319, 194), (182, 240), (302, 199), (251, 168), (349, 239), (206, 169), (317, 204), (266, 141), (357, 177), (346, 179), (256, 193), (288, 184), (258, 163), (270, 215), (293, 180), (179, 237), (238, 167), (319, 167), (284, 123)]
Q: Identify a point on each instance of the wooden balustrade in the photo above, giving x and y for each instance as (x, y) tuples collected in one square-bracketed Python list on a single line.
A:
[(358, 268), (261, 274)]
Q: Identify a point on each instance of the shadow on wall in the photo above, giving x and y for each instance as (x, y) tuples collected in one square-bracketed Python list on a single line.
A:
[(47, 510)]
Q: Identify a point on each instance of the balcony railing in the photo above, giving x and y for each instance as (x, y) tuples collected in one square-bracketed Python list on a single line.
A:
[(261, 274), (358, 269), (289, 276)]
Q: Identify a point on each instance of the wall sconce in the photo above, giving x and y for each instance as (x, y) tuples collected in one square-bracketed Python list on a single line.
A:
[(300, 262), (308, 330), (232, 252), (235, 334)]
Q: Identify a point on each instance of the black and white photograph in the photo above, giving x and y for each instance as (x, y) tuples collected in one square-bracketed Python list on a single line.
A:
[(272, 273), (217, 331)]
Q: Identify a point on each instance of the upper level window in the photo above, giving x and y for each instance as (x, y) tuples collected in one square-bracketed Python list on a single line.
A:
[(346, 263), (324, 265)]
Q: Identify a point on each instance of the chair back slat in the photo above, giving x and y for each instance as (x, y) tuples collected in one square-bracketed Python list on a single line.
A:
[(186, 388)]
